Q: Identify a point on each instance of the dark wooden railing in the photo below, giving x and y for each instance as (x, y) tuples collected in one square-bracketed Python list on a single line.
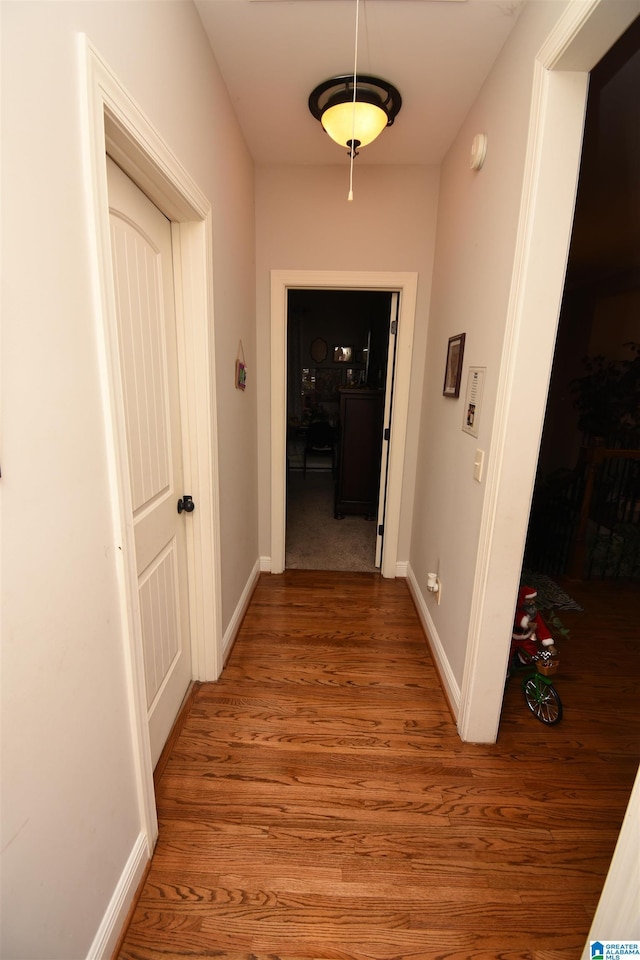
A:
[(610, 508)]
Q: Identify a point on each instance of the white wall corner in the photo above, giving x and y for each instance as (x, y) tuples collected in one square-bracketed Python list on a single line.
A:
[(265, 564), (617, 915), (113, 921), (451, 688), (241, 609)]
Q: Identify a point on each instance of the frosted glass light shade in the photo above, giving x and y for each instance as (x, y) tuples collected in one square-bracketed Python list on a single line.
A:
[(377, 103), (370, 121)]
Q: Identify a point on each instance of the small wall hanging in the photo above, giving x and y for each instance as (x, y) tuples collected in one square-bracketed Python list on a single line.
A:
[(453, 367), (241, 369)]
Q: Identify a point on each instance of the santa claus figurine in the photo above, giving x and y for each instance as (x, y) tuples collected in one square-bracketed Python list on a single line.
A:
[(530, 630)]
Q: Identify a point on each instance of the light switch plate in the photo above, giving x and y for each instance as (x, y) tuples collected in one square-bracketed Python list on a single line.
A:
[(478, 465)]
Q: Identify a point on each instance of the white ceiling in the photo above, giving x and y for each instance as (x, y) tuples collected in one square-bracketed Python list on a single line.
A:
[(272, 53)]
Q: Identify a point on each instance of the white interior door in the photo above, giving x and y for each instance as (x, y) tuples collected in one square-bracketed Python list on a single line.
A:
[(144, 291), (386, 434)]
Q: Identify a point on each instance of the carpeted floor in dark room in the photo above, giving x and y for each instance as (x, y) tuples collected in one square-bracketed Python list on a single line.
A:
[(315, 540)]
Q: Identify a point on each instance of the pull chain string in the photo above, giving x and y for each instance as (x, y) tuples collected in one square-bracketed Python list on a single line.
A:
[(353, 117)]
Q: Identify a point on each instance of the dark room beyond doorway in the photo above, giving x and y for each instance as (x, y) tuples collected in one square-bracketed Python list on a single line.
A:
[(337, 348)]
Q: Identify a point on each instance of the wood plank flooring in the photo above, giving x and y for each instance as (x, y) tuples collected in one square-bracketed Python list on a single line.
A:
[(318, 803)]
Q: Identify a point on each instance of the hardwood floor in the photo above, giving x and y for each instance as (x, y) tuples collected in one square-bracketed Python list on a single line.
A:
[(318, 802)]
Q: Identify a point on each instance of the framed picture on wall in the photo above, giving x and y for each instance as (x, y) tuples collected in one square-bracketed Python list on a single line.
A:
[(342, 354), (453, 368)]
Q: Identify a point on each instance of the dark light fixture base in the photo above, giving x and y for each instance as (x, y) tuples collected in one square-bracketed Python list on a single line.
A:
[(367, 90)]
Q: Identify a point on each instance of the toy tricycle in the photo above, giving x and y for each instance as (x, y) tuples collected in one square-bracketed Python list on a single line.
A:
[(533, 651)]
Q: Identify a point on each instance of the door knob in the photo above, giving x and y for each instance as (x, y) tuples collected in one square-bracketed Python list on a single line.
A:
[(186, 503)]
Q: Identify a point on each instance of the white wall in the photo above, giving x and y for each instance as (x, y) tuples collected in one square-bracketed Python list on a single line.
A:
[(501, 253), (70, 817), (475, 251), (303, 221), (617, 916)]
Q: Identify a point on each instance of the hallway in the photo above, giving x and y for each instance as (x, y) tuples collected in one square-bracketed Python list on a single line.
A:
[(318, 802)]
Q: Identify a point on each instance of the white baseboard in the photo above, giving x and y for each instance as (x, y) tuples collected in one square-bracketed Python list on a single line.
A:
[(452, 690), (265, 564), (402, 567), (241, 609), (110, 929)]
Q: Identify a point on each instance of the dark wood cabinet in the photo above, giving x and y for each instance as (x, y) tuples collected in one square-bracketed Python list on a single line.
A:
[(359, 451)]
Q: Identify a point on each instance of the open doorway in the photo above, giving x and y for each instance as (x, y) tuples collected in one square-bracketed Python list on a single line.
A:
[(403, 286), (585, 518), (582, 553), (337, 369)]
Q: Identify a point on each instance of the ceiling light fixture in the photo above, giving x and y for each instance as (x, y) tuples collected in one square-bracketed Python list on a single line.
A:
[(354, 110)]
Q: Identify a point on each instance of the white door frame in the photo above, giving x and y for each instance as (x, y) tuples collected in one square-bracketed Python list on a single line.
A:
[(406, 284), (389, 389), (585, 32), (114, 124)]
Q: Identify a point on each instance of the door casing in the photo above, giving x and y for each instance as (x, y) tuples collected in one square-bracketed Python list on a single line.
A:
[(114, 124), (406, 284), (388, 412)]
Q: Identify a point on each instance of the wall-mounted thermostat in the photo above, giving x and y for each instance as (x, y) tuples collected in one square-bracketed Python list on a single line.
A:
[(473, 400)]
